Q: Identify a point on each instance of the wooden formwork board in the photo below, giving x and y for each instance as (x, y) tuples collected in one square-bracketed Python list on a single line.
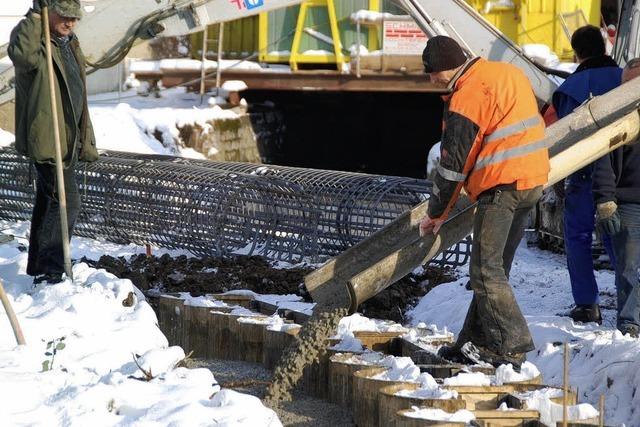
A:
[(223, 344), (315, 377), (195, 330), (170, 318), (365, 395), (582, 423), (250, 337), (390, 404), (340, 385), (247, 339), (265, 308), (384, 342), (512, 418), (275, 342), (404, 420), (516, 402), (245, 301), (487, 397), (294, 315)]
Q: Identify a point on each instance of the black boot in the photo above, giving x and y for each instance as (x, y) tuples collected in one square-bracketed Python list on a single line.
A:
[(49, 278), (586, 313), (453, 354), (632, 330), (481, 355)]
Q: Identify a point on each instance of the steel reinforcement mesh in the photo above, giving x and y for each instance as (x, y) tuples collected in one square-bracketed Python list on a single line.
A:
[(223, 208)]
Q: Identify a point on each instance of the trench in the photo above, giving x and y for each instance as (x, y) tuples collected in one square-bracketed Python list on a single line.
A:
[(370, 132)]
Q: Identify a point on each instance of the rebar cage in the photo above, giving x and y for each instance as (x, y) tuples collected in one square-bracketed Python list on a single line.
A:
[(224, 208)]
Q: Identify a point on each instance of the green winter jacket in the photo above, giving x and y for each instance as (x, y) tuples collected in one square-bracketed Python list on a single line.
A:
[(34, 123)]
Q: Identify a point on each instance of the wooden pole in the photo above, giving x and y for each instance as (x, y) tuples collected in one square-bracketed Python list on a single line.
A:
[(565, 386), (205, 36), (219, 58), (601, 409), (64, 225), (13, 320)]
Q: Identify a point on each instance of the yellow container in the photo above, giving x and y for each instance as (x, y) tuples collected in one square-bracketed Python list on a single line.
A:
[(549, 22)]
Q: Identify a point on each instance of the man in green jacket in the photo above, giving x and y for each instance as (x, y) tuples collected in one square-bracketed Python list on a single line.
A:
[(34, 124)]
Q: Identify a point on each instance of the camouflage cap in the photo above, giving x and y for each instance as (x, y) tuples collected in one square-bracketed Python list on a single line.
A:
[(67, 8)]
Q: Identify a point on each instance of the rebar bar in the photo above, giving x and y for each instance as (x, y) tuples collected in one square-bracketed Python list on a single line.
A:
[(220, 208)]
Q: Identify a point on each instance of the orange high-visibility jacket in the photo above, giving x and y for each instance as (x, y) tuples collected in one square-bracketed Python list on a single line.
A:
[(492, 134)]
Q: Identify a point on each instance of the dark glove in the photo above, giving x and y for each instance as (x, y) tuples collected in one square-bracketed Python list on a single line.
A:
[(558, 188), (39, 4), (608, 218)]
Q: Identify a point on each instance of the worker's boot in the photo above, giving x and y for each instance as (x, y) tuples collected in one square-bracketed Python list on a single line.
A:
[(48, 278), (586, 313), (453, 354), (632, 330), (481, 356)]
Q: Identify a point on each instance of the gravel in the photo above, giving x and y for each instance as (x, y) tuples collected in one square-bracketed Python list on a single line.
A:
[(252, 378)]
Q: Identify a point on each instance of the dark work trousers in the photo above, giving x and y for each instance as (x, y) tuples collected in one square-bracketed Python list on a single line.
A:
[(45, 240), (626, 245), (494, 320)]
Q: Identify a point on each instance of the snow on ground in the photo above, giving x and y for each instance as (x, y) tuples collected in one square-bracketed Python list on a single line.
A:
[(602, 361), (6, 138), (128, 122), (93, 378)]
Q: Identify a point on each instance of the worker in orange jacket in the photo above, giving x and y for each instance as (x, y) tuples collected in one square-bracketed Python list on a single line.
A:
[(493, 146)]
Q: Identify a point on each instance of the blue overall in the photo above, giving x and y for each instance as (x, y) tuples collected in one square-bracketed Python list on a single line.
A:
[(594, 77)]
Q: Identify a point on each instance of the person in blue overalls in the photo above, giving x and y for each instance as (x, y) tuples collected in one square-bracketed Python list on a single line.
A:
[(596, 74)]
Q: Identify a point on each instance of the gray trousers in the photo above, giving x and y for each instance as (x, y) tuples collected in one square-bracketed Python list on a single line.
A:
[(494, 320)]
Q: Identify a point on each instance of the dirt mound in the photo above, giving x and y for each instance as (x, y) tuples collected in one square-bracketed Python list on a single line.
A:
[(201, 276)]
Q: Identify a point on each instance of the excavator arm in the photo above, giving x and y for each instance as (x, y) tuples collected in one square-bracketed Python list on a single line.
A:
[(456, 19), (110, 28)]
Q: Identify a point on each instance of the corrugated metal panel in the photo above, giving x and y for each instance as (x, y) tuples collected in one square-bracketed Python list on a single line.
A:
[(240, 39), (282, 24), (241, 36), (281, 27)]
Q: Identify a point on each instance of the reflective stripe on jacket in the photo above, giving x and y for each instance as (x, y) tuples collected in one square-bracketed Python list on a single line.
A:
[(492, 135)]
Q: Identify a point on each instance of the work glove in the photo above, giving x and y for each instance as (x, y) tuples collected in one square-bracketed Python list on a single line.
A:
[(430, 225), (558, 188), (39, 4), (608, 218)]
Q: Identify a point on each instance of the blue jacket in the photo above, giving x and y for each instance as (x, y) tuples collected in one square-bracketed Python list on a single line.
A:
[(595, 76)]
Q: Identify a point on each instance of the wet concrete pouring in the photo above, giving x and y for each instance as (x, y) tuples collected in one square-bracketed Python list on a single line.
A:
[(199, 276)]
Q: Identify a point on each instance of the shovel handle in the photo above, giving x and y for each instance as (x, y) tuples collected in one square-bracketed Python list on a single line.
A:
[(13, 320)]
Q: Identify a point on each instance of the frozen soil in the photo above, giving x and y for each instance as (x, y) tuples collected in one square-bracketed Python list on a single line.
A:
[(252, 378), (203, 275)]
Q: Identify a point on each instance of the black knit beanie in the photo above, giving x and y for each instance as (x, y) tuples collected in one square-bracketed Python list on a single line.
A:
[(442, 53)]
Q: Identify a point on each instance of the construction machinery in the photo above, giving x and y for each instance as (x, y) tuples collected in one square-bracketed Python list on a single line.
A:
[(110, 28)]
